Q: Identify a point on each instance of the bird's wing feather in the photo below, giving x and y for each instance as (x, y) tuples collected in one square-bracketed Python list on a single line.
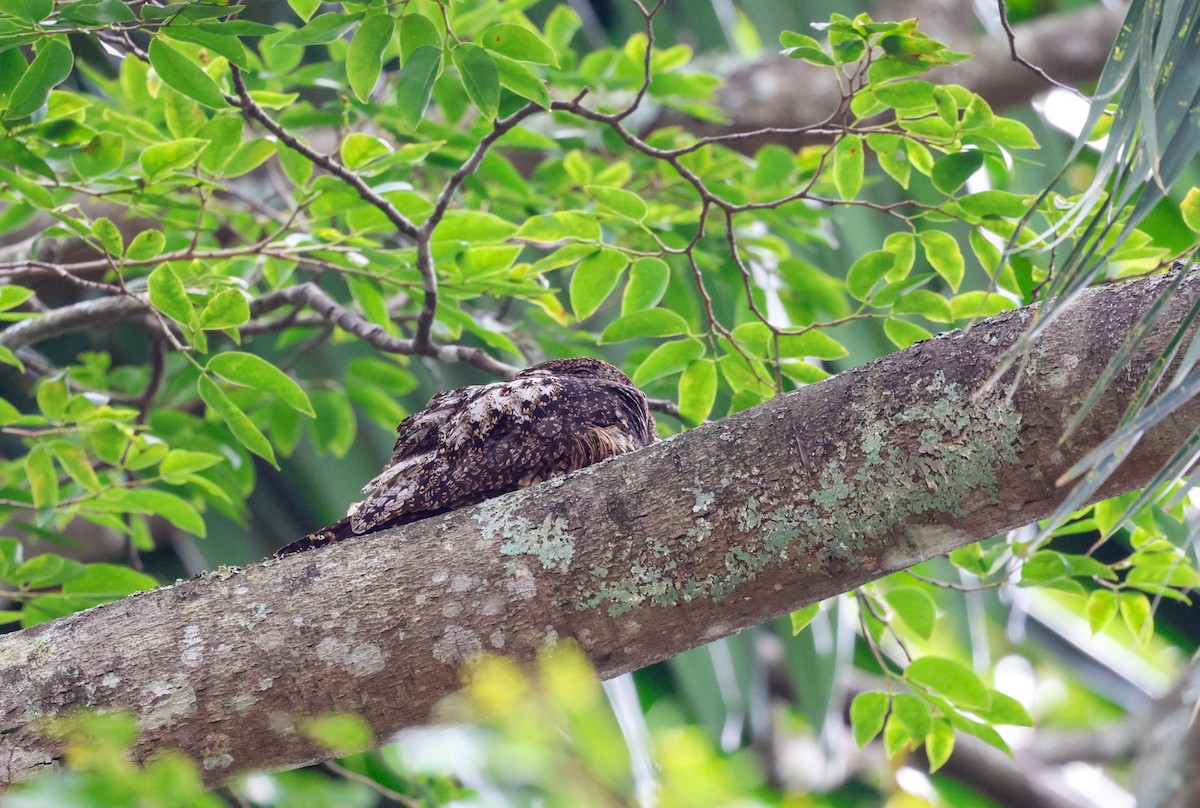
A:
[(479, 442)]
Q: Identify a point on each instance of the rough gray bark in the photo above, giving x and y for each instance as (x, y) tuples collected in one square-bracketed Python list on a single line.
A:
[(637, 559)]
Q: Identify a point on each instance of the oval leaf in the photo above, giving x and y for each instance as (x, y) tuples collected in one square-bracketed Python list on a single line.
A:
[(480, 78), (594, 279), (951, 680), (255, 372), (365, 57), (182, 74), (518, 42), (648, 323)]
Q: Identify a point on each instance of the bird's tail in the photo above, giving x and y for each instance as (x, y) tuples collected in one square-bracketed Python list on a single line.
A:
[(338, 531)]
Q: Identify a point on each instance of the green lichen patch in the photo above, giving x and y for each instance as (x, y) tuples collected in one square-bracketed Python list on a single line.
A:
[(928, 455), (550, 542)]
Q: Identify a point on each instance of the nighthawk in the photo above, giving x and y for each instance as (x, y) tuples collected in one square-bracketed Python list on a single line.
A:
[(481, 441)]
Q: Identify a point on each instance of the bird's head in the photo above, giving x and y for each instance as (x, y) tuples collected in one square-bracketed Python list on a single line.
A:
[(583, 366)]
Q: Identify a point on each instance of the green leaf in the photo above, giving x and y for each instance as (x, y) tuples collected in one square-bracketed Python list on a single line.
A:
[(365, 58), (619, 201), (223, 44), (168, 295), (358, 149), (171, 155), (46, 569), (415, 86), (39, 471), (174, 509), (594, 280), (257, 373), (1003, 204), (929, 305), (146, 245), (52, 398), (1102, 607), (108, 235), (978, 303), (647, 323), (867, 712), (977, 114), (848, 166), (915, 608), (271, 100), (305, 8), (11, 297), (698, 390), (418, 31), (473, 226), (1011, 134), (106, 582), (180, 463), (522, 81), (939, 743), (949, 679), (517, 42), (867, 271), (12, 68), (803, 616), (1190, 208), (239, 424), (49, 68), (816, 344), (951, 171), (103, 153), (892, 155), (1138, 615), (480, 78), (648, 280), (320, 30), (903, 333), (28, 10), (182, 74), (224, 135), (226, 309), (912, 96), (14, 153), (1006, 710), (568, 224), (903, 247), (666, 359), (908, 724), (249, 156), (799, 46), (943, 254), (76, 463)]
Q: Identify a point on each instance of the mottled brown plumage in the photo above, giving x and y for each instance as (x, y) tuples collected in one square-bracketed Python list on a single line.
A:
[(481, 441)]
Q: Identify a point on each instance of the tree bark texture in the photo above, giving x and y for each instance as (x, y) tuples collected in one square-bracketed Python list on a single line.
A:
[(636, 559)]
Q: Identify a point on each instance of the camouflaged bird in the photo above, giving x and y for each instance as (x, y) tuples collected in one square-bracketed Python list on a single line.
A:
[(481, 441)]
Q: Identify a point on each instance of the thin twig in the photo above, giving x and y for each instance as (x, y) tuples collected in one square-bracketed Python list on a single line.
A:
[(1012, 49)]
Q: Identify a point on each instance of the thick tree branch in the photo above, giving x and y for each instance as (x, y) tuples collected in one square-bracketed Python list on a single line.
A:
[(636, 559)]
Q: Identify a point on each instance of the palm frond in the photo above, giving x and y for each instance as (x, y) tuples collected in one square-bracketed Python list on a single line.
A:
[(1151, 87)]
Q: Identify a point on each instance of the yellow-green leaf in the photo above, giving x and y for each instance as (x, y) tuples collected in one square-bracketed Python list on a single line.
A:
[(253, 371), (594, 280)]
